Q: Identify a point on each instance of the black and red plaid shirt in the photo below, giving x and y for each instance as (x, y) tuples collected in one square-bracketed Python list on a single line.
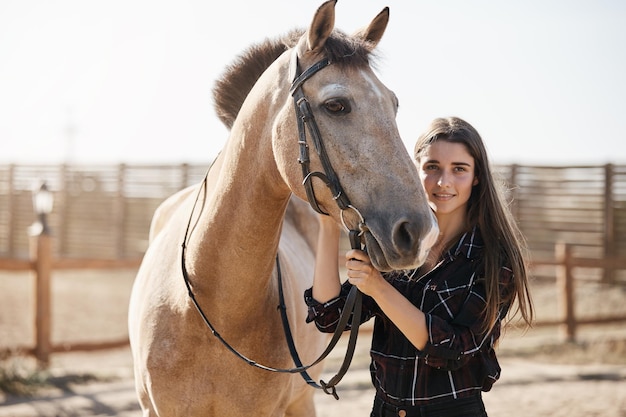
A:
[(459, 359)]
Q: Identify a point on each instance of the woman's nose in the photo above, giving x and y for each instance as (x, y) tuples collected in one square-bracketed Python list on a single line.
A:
[(444, 180)]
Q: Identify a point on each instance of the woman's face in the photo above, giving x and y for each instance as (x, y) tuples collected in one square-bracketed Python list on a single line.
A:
[(446, 170)]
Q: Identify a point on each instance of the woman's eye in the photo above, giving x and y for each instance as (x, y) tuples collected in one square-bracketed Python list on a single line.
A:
[(336, 106)]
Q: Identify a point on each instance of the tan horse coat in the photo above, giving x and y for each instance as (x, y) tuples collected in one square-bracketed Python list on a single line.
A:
[(181, 369)]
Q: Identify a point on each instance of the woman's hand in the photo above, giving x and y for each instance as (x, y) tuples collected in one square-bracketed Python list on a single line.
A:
[(362, 274), (406, 316)]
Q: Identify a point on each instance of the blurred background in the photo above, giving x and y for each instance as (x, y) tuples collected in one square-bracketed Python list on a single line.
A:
[(106, 110)]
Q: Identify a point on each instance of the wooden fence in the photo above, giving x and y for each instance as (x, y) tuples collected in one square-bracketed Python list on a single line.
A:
[(584, 206), (565, 263), (100, 212), (102, 216), (105, 211), (42, 264)]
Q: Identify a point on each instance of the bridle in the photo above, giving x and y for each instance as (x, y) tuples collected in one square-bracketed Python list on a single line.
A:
[(352, 307), (305, 118)]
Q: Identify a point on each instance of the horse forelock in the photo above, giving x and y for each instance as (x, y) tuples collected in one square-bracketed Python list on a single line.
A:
[(346, 50), (233, 86)]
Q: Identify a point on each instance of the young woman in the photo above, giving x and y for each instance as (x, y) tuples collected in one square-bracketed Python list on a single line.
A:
[(436, 326)]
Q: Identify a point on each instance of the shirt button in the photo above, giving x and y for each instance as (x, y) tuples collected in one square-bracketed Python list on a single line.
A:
[(402, 413)]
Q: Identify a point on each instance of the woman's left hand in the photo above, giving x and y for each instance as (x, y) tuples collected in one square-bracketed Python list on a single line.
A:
[(407, 317), (361, 273)]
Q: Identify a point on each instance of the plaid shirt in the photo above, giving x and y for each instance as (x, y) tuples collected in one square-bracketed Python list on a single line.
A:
[(459, 359)]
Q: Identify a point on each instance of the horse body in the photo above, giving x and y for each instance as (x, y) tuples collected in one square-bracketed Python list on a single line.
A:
[(239, 226)]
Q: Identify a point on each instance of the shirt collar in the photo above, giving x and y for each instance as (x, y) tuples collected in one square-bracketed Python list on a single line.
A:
[(470, 245)]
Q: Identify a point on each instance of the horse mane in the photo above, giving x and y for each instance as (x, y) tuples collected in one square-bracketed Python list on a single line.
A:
[(233, 86)]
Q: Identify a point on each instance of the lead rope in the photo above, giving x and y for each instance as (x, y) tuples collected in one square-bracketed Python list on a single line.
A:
[(352, 309), (355, 242), (353, 304)]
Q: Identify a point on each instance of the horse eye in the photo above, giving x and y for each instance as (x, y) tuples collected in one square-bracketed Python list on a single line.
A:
[(337, 106)]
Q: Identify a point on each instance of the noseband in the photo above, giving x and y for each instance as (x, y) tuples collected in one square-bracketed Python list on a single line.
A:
[(352, 308)]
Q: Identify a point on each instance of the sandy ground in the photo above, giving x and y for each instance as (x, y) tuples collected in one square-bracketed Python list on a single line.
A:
[(531, 385), (542, 376)]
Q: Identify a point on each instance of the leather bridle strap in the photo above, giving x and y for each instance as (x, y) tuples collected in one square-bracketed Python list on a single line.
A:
[(352, 308), (355, 308), (305, 120), (343, 321)]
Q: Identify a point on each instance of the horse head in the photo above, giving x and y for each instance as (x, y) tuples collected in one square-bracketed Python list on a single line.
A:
[(354, 115)]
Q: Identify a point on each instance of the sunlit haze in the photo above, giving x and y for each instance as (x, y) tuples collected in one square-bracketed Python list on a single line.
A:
[(130, 81)]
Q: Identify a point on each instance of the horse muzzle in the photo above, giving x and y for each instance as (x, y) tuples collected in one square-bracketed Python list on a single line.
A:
[(406, 247)]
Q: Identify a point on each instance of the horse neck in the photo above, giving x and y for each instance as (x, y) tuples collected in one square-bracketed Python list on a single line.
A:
[(233, 247)]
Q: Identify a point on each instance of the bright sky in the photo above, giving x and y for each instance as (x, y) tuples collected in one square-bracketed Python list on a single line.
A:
[(543, 81)]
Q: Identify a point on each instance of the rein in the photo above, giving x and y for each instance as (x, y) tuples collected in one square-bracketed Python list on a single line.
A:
[(305, 118), (352, 308)]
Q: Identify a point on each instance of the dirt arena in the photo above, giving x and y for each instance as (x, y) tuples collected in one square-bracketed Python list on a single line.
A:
[(542, 376)]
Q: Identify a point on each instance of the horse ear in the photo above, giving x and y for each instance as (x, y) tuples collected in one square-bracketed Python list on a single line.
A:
[(321, 26), (374, 32)]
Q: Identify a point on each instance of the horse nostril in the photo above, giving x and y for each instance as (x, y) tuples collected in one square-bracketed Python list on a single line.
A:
[(404, 237)]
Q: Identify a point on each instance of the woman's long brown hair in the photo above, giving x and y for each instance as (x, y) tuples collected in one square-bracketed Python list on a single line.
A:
[(487, 208)]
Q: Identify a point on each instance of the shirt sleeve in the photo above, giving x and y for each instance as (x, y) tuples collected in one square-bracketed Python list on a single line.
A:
[(326, 315), (451, 344)]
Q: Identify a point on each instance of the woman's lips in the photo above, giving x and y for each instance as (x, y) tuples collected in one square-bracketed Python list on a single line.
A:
[(443, 196)]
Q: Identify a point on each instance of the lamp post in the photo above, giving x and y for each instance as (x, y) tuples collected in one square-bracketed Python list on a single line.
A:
[(43, 201), (41, 255)]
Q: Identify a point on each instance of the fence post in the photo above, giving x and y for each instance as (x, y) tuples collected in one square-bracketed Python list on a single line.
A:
[(41, 255), (119, 212), (11, 219), (608, 274), (565, 287)]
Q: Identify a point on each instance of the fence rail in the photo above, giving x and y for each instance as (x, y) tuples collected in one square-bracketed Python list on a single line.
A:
[(43, 266), (565, 282)]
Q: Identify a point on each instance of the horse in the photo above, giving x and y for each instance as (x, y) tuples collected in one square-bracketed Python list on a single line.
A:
[(220, 243)]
